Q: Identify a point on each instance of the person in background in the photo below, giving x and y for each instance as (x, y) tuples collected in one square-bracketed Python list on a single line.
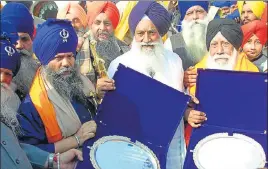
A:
[(17, 155), (18, 15), (190, 43), (56, 115), (73, 12), (224, 8), (255, 37), (250, 10)]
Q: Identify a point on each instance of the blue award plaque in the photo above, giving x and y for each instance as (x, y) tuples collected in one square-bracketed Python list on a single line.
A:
[(135, 124), (235, 134)]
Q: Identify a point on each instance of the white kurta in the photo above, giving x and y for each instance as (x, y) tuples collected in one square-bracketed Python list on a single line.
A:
[(172, 76)]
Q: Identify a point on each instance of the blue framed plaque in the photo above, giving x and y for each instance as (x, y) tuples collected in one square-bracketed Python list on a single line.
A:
[(136, 124), (235, 134)]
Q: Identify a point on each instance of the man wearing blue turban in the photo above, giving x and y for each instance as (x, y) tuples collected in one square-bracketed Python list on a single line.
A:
[(20, 17), (18, 155), (224, 8), (148, 21), (190, 43), (55, 115)]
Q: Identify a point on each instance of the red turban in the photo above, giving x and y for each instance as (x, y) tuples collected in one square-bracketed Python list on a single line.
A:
[(109, 8), (75, 10), (257, 28), (264, 15)]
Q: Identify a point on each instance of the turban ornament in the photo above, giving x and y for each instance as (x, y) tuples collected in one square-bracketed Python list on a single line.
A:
[(54, 36), (185, 5), (10, 59), (75, 10), (228, 28), (18, 15), (257, 28), (109, 8), (155, 12)]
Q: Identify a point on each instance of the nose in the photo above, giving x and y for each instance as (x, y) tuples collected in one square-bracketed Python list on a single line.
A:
[(195, 16), (146, 38), (220, 50), (66, 62), (252, 46), (19, 45), (102, 26)]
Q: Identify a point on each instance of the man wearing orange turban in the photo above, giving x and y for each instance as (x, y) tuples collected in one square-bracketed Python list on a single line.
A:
[(255, 37), (103, 18)]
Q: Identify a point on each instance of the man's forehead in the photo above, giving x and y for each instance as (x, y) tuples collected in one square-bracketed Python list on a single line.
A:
[(219, 37), (196, 7), (146, 25), (22, 34), (102, 17), (63, 54)]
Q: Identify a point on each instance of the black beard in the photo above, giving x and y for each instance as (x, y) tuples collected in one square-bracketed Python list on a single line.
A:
[(108, 50), (70, 86)]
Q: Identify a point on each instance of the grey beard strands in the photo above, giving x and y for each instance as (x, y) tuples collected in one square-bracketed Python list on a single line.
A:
[(68, 87)]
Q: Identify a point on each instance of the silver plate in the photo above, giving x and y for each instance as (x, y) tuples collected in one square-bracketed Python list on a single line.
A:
[(118, 152), (221, 151)]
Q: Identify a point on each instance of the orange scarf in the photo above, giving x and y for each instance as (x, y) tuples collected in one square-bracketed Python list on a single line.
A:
[(243, 64), (45, 109)]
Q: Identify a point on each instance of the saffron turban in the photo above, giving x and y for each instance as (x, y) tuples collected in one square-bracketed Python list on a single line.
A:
[(109, 8), (54, 36), (183, 6), (9, 32), (257, 28), (228, 28), (75, 11), (10, 59), (155, 11), (257, 7), (18, 15)]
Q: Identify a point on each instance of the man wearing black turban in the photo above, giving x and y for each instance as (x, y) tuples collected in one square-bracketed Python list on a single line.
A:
[(223, 39)]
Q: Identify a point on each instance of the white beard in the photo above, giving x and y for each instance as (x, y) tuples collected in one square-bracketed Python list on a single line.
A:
[(152, 60), (222, 62), (194, 35), (10, 103)]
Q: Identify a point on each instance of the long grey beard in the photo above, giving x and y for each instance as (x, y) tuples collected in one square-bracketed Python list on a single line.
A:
[(108, 50), (24, 78), (70, 86), (10, 103)]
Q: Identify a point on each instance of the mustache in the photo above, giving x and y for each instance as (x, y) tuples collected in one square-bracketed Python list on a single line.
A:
[(148, 44), (104, 33)]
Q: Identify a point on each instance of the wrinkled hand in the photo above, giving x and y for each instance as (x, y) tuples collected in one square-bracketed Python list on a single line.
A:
[(190, 76), (86, 131), (103, 85), (194, 117), (69, 158)]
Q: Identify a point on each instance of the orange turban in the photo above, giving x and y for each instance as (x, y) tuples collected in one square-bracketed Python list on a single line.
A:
[(75, 10), (257, 28), (109, 8)]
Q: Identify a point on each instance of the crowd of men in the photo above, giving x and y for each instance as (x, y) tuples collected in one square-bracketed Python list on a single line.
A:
[(54, 76)]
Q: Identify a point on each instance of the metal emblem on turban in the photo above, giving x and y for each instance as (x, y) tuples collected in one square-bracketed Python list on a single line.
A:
[(64, 34), (10, 51), (230, 151)]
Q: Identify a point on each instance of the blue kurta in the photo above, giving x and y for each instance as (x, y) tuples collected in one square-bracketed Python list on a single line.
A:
[(33, 127)]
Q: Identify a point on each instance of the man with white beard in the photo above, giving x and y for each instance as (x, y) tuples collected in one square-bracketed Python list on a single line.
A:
[(148, 22), (223, 40), (190, 43), (18, 15), (13, 154)]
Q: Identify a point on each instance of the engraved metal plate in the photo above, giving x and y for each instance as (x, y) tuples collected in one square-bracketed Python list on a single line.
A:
[(117, 152), (221, 151)]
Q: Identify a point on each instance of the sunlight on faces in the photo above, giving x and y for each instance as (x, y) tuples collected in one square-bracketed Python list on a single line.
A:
[(6, 76), (24, 42), (247, 14), (102, 28), (253, 47), (194, 35), (76, 23), (222, 55)]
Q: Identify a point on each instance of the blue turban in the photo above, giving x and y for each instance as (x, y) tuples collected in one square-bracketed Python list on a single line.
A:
[(233, 15), (183, 6), (221, 4), (9, 32), (156, 12), (54, 36), (10, 59), (19, 16)]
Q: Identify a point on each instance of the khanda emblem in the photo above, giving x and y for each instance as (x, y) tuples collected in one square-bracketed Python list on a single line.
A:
[(10, 51), (64, 34)]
